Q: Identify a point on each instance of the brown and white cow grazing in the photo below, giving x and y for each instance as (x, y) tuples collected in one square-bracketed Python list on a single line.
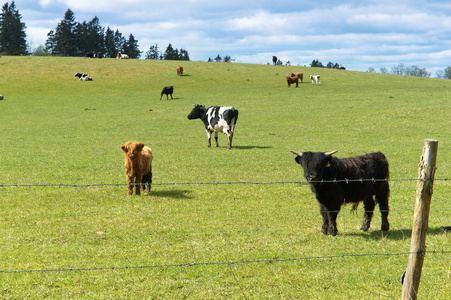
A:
[(315, 78)]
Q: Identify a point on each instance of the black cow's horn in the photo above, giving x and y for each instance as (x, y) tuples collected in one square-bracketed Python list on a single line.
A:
[(330, 153), (297, 153)]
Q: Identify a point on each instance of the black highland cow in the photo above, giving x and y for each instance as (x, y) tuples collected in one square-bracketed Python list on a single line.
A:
[(347, 180)]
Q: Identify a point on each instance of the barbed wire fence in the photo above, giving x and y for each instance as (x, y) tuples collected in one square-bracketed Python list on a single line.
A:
[(196, 264), (347, 181)]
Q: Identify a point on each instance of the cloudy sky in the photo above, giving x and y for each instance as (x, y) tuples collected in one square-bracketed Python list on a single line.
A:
[(356, 34)]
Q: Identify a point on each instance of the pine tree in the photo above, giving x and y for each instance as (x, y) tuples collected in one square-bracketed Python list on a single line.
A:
[(96, 36), (184, 55), (153, 52), (50, 42), (12, 31), (119, 42), (64, 38), (81, 38), (110, 47), (169, 54), (131, 47)]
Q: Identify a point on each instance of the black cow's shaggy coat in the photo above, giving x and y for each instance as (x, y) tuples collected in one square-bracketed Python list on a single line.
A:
[(347, 180)]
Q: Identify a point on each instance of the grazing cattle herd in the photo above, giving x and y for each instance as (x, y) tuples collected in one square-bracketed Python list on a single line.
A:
[(334, 181)]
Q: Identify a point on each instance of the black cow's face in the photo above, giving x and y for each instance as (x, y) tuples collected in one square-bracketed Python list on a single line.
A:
[(197, 112), (314, 165)]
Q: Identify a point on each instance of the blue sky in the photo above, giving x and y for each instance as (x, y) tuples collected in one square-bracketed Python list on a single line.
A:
[(356, 34)]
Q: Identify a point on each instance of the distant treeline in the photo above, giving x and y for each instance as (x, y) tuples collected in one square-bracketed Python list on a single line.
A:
[(72, 38), (400, 69)]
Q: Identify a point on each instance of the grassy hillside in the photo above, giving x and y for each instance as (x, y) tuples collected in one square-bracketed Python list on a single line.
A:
[(57, 129)]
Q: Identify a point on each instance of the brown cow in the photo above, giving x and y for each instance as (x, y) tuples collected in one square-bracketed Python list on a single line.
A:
[(179, 70), (292, 80), (299, 75), (138, 166)]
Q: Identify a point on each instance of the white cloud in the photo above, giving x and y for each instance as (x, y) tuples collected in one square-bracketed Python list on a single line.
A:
[(355, 33)]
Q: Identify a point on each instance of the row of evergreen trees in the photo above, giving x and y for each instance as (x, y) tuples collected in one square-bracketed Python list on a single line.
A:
[(71, 38)]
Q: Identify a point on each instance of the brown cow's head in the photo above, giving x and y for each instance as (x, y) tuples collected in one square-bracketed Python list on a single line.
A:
[(132, 149)]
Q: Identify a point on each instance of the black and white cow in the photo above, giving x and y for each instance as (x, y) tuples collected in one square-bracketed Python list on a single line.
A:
[(216, 119), (83, 77)]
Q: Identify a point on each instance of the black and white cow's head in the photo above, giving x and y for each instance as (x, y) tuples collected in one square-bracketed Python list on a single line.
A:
[(197, 112)]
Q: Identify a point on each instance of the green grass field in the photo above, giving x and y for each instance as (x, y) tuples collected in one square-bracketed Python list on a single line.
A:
[(208, 241)]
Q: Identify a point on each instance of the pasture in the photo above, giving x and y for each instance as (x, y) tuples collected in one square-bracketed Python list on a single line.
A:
[(208, 241)]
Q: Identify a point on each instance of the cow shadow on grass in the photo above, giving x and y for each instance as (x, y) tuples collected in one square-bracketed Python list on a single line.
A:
[(396, 235), (174, 98), (175, 194), (251, 147)]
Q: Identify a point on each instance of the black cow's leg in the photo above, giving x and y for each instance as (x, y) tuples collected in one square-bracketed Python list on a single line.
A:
[(216, 139), (324, 214), (330, 214), (384, 213), (333, 213), (230, 135), (368, 215), (147, 182), (382, 199)]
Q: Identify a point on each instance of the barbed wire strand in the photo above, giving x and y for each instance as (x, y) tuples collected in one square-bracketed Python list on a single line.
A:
[(215, 183), (224, 263)]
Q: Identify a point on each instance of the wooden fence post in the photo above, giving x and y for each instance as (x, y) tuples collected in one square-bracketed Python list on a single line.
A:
[(426, 173)]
